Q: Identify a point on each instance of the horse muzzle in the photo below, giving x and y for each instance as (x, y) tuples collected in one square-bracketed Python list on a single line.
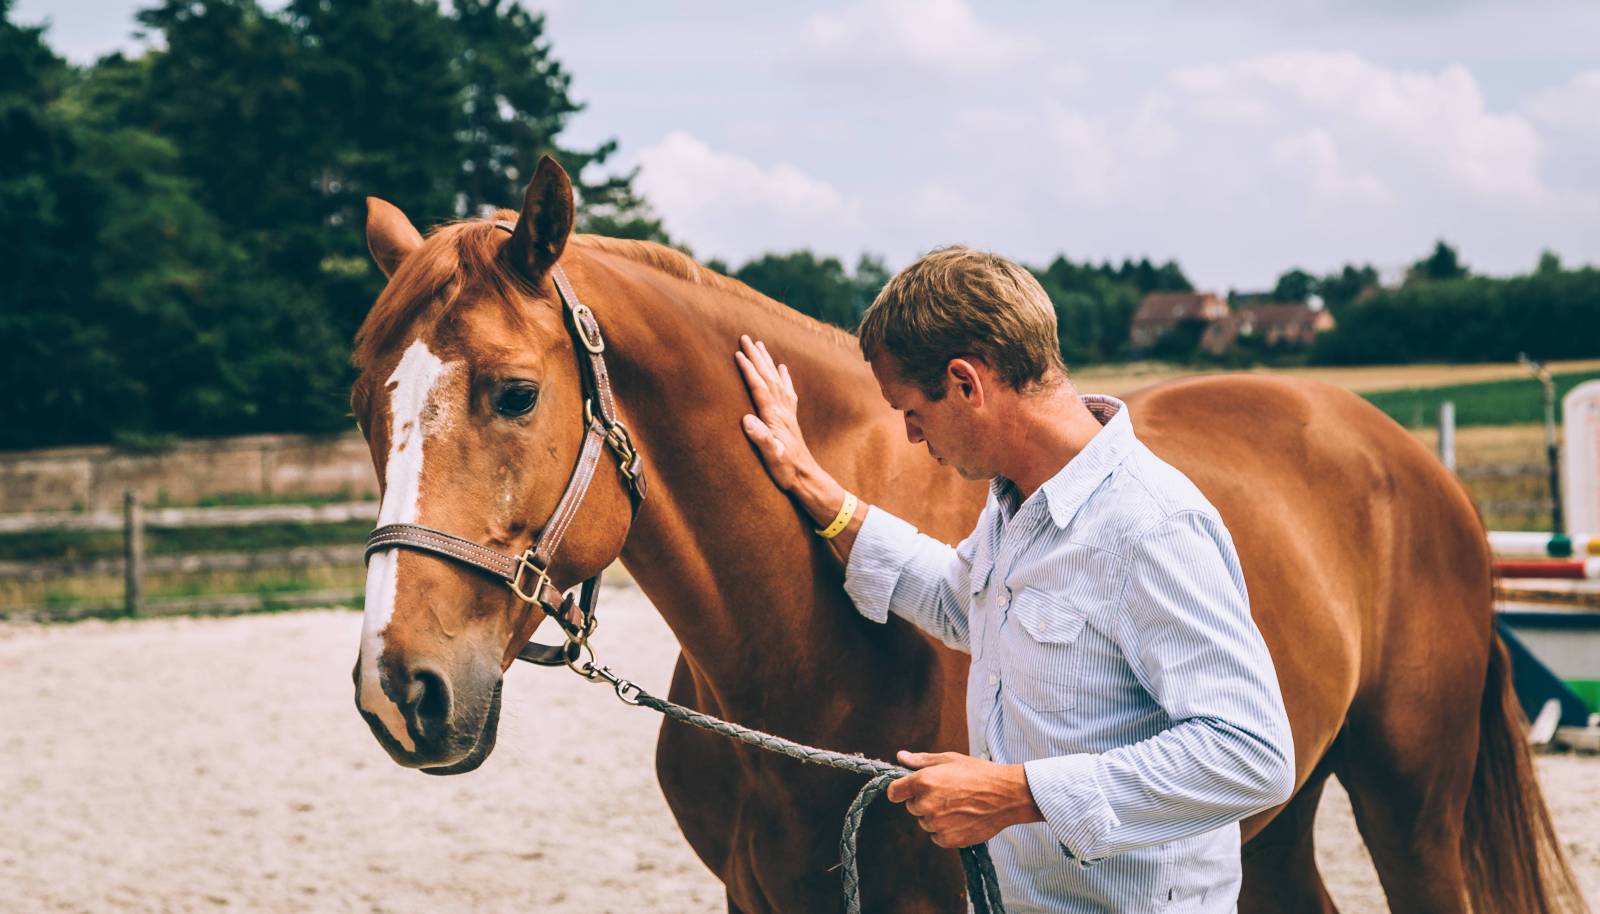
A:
[(448, 720)]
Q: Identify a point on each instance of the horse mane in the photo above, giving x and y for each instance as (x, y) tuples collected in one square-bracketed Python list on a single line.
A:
[(676, 263), (456, 255)]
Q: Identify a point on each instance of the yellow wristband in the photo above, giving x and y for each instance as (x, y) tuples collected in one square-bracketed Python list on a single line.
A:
[(840, 521)]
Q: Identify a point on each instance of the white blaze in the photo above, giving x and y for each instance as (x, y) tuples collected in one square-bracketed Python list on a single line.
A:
[(413, 382)]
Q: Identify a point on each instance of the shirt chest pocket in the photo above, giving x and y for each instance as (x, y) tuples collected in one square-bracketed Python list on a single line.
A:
[(1043, 654)]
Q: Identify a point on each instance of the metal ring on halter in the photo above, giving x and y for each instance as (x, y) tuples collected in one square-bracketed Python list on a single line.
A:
[(587, 670)]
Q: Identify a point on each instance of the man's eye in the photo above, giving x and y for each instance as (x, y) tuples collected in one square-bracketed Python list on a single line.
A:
[(515, 400)]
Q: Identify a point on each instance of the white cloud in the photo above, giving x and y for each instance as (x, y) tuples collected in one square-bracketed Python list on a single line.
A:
[(1430, 120), (1312, 157), (933, 34), (1574, 106), (1244, 168), (727, 205)]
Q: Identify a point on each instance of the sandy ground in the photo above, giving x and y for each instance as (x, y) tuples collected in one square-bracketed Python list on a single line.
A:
[(218, 765)]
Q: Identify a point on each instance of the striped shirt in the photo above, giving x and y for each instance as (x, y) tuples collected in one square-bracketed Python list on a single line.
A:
[(1114, 656)]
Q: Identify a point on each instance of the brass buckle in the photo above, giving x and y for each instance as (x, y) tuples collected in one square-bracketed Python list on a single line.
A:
[(525, 563), (618, 439), (621, 444)]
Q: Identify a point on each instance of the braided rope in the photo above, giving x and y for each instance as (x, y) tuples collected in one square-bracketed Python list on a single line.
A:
[(983, 887)]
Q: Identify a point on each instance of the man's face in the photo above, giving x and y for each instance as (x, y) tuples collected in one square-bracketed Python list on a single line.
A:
[(947, 425)]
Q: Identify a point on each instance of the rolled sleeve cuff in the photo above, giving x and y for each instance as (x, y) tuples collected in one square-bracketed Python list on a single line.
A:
[(1067, 793), (884, 546)]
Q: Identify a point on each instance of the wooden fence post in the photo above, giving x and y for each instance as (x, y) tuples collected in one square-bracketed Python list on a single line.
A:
[(133, 552), (1447, 434)]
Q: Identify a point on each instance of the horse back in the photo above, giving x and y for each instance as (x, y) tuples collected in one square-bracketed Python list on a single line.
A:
[(1361, 552)]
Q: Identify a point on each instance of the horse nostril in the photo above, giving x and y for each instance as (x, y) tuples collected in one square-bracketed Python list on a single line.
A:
[(429, 698)]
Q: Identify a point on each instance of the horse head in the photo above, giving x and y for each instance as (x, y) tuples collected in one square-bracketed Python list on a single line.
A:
[(472, 401)]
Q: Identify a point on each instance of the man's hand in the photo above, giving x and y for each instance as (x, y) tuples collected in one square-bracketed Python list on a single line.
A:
[(963, 800), (775, 427)]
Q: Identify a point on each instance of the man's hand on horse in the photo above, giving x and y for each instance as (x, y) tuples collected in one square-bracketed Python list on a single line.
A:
[(774, 428), (963, 800)]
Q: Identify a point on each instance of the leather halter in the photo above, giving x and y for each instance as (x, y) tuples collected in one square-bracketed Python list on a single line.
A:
[(528, 574)]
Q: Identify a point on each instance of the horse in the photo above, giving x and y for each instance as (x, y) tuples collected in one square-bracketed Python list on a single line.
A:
[(1367, 566)]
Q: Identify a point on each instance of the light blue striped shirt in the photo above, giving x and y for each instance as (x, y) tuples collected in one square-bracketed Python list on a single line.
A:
[(1113, 654)]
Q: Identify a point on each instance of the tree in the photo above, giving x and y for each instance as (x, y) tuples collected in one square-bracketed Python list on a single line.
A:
[(1095, 304), (811, 285), (872, 274), (1442, 264), (516, 102), (1295, 286), (1347, 285), (183, 228)]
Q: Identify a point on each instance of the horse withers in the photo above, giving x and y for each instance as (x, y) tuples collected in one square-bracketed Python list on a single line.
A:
[(1367, 567)]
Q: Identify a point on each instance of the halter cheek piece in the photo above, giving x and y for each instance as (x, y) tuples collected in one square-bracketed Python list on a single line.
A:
[(528, 574)]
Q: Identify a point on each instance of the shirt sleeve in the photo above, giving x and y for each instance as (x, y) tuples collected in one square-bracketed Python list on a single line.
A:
[(1186, 630), (893, 568)]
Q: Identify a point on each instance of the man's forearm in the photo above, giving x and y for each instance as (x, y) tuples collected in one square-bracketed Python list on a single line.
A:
[(821, 497)]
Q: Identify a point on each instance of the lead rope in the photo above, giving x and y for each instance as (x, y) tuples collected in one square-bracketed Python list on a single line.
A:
[(983, 887)]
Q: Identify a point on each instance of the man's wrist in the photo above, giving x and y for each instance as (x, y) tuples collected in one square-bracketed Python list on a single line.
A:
[(1027, 809), (819, 494)]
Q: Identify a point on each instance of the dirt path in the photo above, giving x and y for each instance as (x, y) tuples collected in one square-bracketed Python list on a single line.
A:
[(218, 765)]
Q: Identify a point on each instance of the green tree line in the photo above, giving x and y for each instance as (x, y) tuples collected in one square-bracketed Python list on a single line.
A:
[(1444, 313)]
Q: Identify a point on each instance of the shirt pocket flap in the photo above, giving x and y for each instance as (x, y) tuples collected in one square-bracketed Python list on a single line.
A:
[(1047, 618)]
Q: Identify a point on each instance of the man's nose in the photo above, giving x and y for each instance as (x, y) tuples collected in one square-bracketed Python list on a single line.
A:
[(913, 433)]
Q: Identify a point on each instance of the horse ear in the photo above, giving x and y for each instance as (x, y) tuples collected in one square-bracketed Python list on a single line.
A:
[(548, 213), (390, 235)]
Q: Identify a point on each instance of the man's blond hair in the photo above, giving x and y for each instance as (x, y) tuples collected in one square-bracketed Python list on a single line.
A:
[(956, 302)]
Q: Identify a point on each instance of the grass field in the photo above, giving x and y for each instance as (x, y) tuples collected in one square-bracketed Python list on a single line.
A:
[(1482, 403), (1117, 380)]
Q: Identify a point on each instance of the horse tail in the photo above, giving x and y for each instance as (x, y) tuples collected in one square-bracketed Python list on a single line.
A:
[(1513, 860)]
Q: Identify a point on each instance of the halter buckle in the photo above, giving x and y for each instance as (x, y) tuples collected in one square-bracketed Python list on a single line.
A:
[(621, 444), (620, 441), (541, 580), (588, 329)]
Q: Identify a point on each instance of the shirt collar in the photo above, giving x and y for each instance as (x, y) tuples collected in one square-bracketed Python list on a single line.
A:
[(1072, 485)]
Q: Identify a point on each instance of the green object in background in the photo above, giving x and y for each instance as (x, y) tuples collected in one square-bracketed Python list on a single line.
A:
[(1508, 402), (1588, 690)]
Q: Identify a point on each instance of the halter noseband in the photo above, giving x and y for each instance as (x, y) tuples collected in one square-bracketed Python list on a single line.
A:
[(528, 574)]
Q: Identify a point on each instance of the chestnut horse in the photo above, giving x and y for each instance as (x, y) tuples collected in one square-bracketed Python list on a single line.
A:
[(1367, 567)]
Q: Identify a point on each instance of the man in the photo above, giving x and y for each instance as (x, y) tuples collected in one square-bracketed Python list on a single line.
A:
[(1123, 713)]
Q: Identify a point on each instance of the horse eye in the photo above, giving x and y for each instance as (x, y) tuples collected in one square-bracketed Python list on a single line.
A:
[(515, 400)]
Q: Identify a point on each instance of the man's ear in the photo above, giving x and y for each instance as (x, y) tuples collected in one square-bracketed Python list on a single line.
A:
[(965, 379), (390, 235)]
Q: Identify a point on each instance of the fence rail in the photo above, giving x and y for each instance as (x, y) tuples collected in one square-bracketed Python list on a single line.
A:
[(178, 518), (1502, 471), (134, 564), (188, 563)]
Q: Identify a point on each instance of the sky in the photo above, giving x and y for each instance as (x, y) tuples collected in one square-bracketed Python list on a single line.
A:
[(1240, 137)]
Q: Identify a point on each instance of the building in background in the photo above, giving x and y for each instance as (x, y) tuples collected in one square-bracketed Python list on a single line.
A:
[(1275, 325), (1161, 312)]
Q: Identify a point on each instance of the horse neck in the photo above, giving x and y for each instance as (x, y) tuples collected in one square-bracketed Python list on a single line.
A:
[(726, 557)]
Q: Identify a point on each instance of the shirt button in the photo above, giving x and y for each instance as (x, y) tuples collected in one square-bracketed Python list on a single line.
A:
[(994, 679)]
